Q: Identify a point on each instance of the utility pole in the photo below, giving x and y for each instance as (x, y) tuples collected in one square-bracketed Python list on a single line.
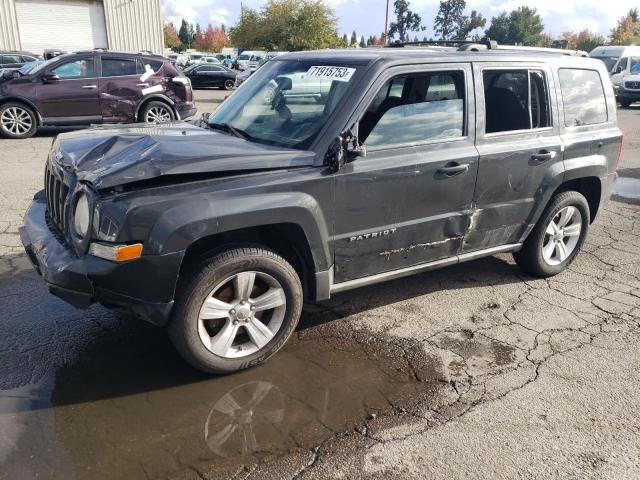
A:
[(386, 24)]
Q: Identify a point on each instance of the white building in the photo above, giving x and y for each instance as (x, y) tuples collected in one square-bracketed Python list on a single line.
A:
[(70, 25)]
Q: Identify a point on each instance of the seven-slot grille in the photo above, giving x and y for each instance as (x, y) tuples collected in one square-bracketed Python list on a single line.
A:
[(56, 193), (632, 85)]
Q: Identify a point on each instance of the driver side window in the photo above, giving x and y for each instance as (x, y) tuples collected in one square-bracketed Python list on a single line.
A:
[(415, 108), (81, 68)]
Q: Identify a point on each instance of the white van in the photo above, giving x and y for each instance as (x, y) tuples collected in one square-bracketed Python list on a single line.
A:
[(619, 61), (250, 56)]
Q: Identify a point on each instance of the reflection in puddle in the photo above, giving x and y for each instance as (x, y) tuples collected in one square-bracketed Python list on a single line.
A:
[(135, 414), (628, 188)]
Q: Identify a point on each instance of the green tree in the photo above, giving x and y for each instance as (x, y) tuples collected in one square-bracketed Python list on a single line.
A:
[(171, 39), (526, 26), (522, 26), (626, 32), (634, 14), (184, 34), (450, 18), (470, 23), (249, 32), (588, 40), (363, 44), (406, 21), (499, 28), (354, 38), (345, 39), (287, 25)]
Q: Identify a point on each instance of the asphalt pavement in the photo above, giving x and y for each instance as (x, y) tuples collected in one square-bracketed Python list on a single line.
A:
[(475, 371)]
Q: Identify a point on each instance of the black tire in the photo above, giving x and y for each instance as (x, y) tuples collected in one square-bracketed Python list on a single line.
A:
[(149, 112), (198, 285), (625, 103), (229, 84), (28, 120), (530, 258)]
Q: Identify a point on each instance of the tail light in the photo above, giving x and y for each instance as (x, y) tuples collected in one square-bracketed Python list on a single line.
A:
[(619, 159)]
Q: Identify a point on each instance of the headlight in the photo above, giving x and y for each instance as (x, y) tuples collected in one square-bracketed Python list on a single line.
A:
[(81, 216)]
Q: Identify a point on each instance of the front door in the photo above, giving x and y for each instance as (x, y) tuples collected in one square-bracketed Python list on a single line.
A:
[(520, 148), (409, 200), (68, 93)]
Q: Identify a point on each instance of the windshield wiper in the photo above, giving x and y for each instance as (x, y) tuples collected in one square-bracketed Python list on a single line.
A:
[(225, 127)]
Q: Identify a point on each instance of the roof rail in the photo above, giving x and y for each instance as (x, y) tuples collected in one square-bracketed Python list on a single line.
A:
[(488, 44)]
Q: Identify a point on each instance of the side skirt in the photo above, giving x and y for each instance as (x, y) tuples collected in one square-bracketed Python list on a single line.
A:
[(404, 272)]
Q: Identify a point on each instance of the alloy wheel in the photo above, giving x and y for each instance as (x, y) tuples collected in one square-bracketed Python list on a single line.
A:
[(16, 121), (562, 235), (242, 314), (158, 115)]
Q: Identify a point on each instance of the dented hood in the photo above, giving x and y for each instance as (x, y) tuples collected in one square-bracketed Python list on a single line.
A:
[(117, 155)]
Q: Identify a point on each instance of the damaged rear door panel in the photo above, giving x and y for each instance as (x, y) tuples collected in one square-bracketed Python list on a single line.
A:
[(408, 203), (519, 166)]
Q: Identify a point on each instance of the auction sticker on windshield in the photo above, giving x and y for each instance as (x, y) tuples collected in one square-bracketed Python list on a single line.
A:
[(341, 74)]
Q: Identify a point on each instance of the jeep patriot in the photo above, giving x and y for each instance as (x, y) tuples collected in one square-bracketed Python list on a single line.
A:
[(326, 171)]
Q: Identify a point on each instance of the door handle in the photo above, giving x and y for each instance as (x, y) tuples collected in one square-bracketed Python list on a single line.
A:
[(600, 144), (453, 170), (543, 156), (89, 87), (142, 84)]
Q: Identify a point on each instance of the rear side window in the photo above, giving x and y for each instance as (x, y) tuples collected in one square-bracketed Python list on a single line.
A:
[(11, 59), (117, 67), (415, 108), (155, 65), (583, 97), (515, 100)]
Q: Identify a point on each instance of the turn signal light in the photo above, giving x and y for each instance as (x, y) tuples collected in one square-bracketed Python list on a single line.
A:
[(116, 253)]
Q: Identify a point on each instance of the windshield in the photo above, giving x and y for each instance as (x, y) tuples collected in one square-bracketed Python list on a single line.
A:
[(286, 103), (608, 61), (196, 57), (243, 57), (189, 68), (27, 67)]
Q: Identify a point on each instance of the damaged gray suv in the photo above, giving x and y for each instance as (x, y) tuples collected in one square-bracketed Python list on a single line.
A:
[(324, 172)]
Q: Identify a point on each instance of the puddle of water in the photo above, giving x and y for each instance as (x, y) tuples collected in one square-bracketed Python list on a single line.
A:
[(127, 417), (628, 188)]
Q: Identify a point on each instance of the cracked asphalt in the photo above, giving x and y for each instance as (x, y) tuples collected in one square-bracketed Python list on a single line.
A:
[(475, 371)]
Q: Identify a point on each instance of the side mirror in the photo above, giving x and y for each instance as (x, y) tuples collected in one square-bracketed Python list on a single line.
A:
[(344, 148), (50, 78), (619, 69), (284, 83)]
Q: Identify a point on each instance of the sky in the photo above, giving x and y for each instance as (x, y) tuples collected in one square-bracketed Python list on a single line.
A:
[(367, 16)]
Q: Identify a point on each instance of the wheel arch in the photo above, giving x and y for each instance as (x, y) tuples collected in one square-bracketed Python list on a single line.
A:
[(158, 98), (590, 187), (25, 102), (286, 239)]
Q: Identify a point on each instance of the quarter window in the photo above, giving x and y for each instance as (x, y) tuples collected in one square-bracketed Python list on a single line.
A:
[(11, 59), (82, 68), (515, 100), (583, 97), (116, 67), (415, 108)]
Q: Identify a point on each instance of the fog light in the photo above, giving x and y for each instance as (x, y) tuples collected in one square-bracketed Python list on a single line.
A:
[(116, 253)]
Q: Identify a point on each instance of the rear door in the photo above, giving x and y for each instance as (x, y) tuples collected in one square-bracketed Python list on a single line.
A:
[(120, 88), (124, 81), (520, 148), (73, 97), (408, 201)]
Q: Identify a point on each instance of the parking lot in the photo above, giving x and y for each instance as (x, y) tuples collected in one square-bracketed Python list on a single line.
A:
[(475, 371)]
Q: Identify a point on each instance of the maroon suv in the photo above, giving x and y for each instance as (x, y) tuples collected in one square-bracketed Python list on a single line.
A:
[(93, 87)]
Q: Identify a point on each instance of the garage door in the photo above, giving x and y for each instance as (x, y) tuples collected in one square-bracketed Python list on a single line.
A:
[(68, 25)]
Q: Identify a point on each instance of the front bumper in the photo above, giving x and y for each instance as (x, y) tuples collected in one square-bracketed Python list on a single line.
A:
[(144, 287), (629, 95)]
